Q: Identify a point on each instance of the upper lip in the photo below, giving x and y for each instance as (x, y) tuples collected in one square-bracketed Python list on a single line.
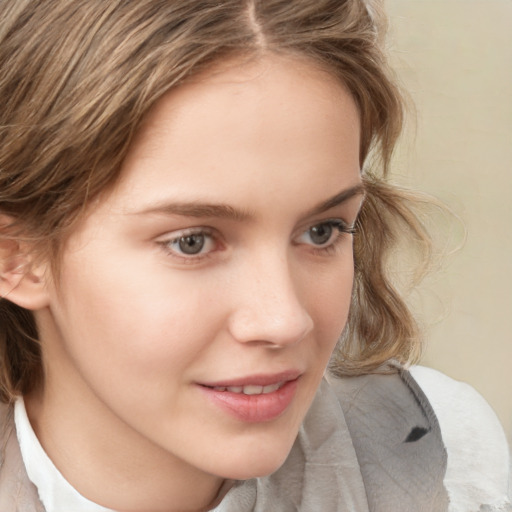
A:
[(256, 380)]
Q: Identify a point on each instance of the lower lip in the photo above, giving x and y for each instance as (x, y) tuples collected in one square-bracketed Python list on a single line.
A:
[(254, 408)]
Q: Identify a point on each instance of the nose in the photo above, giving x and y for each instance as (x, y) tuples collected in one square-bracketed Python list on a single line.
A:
[(267, 308)]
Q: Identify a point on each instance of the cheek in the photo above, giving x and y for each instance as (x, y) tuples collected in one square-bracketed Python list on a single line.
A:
[(145, 323), (329, 293)]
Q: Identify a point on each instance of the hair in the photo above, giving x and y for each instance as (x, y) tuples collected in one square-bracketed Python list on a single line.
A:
[(78, 78)]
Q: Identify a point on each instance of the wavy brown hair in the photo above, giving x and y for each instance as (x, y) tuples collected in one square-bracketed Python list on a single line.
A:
[(78, 77)]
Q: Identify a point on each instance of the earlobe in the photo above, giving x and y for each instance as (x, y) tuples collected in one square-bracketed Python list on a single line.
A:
[(21, 282)]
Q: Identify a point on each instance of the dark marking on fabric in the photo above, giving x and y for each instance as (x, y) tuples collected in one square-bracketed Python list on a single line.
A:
[(416, 433)]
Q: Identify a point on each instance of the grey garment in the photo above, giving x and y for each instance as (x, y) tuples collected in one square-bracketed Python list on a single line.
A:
[(17, 493), (369, 443), (398, 442)]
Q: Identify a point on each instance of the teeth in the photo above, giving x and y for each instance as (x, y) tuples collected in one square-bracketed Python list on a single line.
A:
[(250, 389), (272, 387)]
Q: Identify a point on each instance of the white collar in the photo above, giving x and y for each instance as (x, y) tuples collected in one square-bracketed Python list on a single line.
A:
[(55, 492)]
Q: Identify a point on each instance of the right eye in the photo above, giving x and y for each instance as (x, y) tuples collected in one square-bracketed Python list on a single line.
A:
[(188, 244)]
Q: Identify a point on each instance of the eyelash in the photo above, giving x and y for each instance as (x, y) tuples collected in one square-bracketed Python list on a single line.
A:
[(330, 248)]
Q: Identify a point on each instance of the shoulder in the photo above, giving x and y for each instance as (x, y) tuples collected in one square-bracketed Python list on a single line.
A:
[(478, 455), (6, 428), (17, 493), (425, 433), (397, 441)]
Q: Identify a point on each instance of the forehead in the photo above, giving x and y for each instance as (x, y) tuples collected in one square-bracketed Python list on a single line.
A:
[(245, 95), (279, 121)]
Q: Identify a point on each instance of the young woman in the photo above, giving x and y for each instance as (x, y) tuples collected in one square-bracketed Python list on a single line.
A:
[(189, 228)]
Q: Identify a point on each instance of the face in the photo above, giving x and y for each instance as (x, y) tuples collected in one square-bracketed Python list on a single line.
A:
[(199, 302)]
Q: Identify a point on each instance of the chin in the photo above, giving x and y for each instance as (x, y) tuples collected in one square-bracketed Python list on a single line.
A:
[(257, 462), (249, 469)]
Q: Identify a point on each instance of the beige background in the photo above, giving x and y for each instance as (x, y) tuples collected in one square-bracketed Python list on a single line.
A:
[(455, 59)]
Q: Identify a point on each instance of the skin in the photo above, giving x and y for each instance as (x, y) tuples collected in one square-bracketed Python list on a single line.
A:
[(134, 325)]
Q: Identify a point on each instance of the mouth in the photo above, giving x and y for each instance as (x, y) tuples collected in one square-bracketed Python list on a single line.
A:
[(254, 399), (260, 384)]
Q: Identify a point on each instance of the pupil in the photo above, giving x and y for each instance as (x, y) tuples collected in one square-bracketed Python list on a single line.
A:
[(321, 234), (191, 244)]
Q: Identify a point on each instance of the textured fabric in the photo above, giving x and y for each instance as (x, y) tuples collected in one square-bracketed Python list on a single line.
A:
[(397, 440), (368, 444)]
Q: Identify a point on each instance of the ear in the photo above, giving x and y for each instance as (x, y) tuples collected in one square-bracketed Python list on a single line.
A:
[(21, 280)]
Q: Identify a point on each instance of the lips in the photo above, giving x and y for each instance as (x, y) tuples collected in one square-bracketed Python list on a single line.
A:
[(254, 399)]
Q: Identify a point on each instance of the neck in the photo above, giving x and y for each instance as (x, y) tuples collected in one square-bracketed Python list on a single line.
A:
[(109, 463)]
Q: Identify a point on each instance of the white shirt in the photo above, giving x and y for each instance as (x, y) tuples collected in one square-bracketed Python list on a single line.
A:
[(475, 442)]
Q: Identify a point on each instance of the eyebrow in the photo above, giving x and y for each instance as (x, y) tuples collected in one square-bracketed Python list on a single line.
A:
[(198, 209), (344, 195), (224, 211)]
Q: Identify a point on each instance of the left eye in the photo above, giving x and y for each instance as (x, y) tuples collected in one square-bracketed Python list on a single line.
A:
[(324, 234)]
